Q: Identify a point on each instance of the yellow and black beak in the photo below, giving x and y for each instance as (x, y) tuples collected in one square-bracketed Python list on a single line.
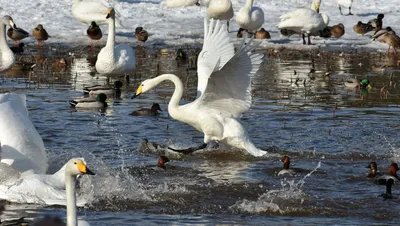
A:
[(138, 92), (108, 14), (317, 8), (83, 169)]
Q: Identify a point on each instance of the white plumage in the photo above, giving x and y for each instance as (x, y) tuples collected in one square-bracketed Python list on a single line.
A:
[(225, 95), (88, 11), (250, 18), (345, 3), (220, 10), (7, 57)]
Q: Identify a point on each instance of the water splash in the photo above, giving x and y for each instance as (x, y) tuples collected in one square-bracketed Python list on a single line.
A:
[(394, 152), (289, 198)]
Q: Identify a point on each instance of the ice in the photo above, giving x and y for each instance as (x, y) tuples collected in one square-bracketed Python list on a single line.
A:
[(178, 26)]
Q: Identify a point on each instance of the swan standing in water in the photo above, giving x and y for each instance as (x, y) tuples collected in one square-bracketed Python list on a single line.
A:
[(220, 10), (88, 11), (7, 59), (224, 94), (250, 18), (115, 59)]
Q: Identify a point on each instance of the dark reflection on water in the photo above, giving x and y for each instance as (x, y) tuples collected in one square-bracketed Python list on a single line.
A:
[(311, 116)]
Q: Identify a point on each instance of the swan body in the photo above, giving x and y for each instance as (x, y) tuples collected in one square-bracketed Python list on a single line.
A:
[(88, 11), (220, 9), (21, 145), (345, 3), (183, 3), (304, 21), (7, 57), (249, 17), (113, 59), (225, 94)]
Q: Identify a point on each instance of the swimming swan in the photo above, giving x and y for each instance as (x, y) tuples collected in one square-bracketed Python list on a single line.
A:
[(88, 11), (21, 145), (115, 59), (249, 17), (225, 94), (304, 21), (7, 57)]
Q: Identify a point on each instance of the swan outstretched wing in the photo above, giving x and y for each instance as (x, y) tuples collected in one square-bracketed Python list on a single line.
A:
[(217, 51), (228, 91)]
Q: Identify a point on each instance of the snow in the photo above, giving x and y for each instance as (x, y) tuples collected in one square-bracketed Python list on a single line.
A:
[(179, 26)]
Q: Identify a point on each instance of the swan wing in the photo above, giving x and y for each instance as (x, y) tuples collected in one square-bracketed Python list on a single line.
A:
[(87, 12), (216, 52), (180, 3), (228, 90), (21, 145)]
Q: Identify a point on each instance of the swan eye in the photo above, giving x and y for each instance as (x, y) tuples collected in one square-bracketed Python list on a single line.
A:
[(75, 163), (142, 84)]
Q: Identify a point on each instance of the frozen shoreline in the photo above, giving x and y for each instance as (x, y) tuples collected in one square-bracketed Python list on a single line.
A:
[(181, 26)]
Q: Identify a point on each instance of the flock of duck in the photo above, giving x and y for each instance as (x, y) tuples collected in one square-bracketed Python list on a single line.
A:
[(223, 90)]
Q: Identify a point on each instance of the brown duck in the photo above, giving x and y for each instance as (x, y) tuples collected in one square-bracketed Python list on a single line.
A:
[(361, 28), (241, 32), (17, 34), (148, 112), (337, 31), (377, 23), (141, 35), (94, 31), (262, 34), (40, 34), (392, 40)]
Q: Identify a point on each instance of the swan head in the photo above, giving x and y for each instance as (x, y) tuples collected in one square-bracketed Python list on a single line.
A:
[(317, 4), (9, 20), (146, 85), (77, 166), (110, 13)]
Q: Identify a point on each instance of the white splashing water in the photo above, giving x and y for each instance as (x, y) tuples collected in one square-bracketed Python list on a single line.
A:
[(291, 192)]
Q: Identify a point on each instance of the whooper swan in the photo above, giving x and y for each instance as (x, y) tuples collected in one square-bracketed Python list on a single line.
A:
[(249, 17)]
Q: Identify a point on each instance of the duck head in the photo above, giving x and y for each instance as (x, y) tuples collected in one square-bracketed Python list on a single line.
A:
[(118, 85), (373, 169), (364, 83), (286, 162), (77, 166), (40, 27), (161, 161), (101, 97), (393, 168), (138, 30), (155, 107), (380, 16), (8, 20)]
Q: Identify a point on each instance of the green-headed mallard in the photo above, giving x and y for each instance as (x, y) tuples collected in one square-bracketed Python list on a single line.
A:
[(354, 83), (90, 102), (40, 34), (108, 90), (94, 31), (148, 112), (17, 34)]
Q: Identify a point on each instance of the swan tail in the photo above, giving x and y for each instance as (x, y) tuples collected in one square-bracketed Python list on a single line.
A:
[(73, 103), (252, 149)]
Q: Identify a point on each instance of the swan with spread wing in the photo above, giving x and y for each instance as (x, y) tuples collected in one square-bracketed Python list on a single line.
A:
[(224, 85)]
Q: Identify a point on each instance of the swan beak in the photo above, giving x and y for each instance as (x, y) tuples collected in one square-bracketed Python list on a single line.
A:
[(317, 8), (83, 168), (108, 14), (12, 24), (138, 92)]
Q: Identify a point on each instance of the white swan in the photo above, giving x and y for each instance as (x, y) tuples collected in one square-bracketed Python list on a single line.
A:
[(227, 90), (250, 18), (88, 11), (304, 21), (220, 10), (115, 59), (7, 58), (21, 145), (346, 4), (183, 3)]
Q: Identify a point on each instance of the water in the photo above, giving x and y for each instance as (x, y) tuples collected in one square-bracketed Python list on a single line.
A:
[(311, 117)]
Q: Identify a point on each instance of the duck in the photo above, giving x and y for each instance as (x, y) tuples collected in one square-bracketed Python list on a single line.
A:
[(286, 165), (324, 33), (7, 60), (373, 172), (18, 49), (161, 162), (377, 22), (115, 59), (210, 113), (88, 11), (388, 194), (90, 102), (286, 32), (393, 168), (391, 39), (141, 35), (262, 34), (107, 90), (249, 17), (94, 31), (149, 147), (354, 83), (345, 4), (17, 34), (40, 34), (379, 35), (304, 21), (361, 28), (220, 10), (148, 112), (337, 31)]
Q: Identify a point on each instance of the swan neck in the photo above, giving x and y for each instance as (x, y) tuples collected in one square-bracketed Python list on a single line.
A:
[(249, 4), (3, 41), (111, 33), (178, 92), (70, 182)]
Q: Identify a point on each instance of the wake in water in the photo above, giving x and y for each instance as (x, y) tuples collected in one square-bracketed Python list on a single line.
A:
[(288, 198)]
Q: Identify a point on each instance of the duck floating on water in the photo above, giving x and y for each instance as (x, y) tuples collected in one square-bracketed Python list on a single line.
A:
[(153, 111), (393, 168), (90, 102), (286, 165), (107, 90)]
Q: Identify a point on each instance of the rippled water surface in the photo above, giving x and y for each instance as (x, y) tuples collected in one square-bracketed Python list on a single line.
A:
[(311, 116)]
